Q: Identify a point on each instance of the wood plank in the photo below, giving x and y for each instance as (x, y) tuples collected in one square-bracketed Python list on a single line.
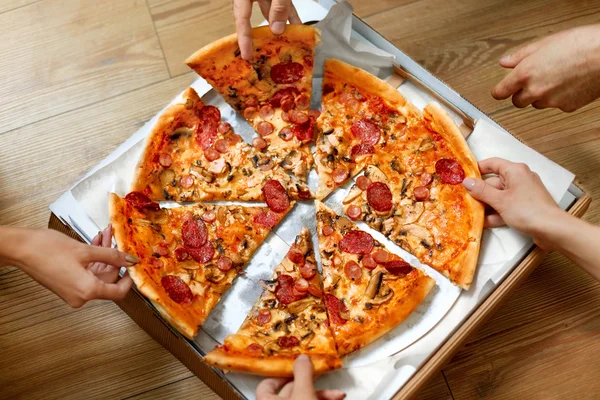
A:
[(177, 24), (544, 343), (8, 5), (92, 133), (64, 54), (185, 389), (435, 389)]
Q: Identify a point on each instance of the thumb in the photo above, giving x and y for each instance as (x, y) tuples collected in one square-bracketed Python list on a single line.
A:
[(482, 191), (303, 376), (109, 255), (113, 291), (511, 60), (278, 15)]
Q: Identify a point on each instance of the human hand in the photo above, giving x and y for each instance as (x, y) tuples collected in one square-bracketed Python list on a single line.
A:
[(517, 195), (75, 271), (559, 71), (301, 388), (277, 12)]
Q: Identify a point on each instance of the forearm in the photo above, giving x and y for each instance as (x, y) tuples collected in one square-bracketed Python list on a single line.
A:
[(576, 239), (13, 245)]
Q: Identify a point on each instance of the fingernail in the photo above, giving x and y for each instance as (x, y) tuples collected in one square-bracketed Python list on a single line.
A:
[(132, 259), (505, 59), (303, 357), (278, 27), (469, 183)]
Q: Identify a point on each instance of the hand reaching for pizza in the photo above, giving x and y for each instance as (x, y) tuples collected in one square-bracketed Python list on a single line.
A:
[(277, 12), (74, 271), (301, 388), (559, 71), (517, 195)]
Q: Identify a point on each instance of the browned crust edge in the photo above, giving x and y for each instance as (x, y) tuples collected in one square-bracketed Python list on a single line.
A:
[(462, 270)]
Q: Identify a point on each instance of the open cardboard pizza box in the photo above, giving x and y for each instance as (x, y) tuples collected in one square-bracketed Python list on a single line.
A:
[(393, 367)]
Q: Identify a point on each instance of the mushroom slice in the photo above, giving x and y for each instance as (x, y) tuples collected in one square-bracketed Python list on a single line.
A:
[(167, 176), (426, 144), (298, 306), (268, 285), (408, 211), (271, 348), (213, 274), (352, 194), (385, 294), (375, 174), (374, 285), (343, 224), (416, 238)]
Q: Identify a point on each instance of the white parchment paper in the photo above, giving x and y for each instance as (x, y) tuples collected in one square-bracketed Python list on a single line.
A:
[(380, 369)]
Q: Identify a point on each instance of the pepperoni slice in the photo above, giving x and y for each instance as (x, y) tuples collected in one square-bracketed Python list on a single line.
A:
[(267, 219), (286, 72), (340, 175), (224, 127), (450, 171), (425, 178), (299, 117), (233, 139), (222, 146), (398, 267), (251, 101), (368, 262), (286, 134), (160, 249), (304, 132), (211, 154), (287, 342), (276, 196), (209, 217), (354, 212), (224, 263), (284, 290), (186, 181), (249, 112), (141, 201), (165, 160), (285, 93), (298, 295), (266, 112), (264, 128), (194, 233), (177, 289), (295, 255), (334, 308), (308, 270), (202, 255), (301, 285), (421, 193), (259, 143), (362, 150), (303, 102), (381, 256), (263, 317), (379, 196), (210, 118), (357, 242), (285, 116), (366, 131), (327, 230), (353, 270), (254, 348), (315, 291), (363, 182), (287, 103), (181, 254), (157, 263), (314, 114)]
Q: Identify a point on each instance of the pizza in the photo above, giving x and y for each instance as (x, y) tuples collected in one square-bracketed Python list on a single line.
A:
[(359, 114), (412, 192), (272, 90), (367, 289), (288, 319), (191, 155), (189, 256)]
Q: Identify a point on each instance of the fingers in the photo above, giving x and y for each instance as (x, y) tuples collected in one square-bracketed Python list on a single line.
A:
[(482, 191), (331, 395), (278, 15), (495, 182), (511, 60), (508, 86), (493, 165), (493, 220), (268, 388), (242, 10), (107, 236), (303, 375), (108, 255), (97, 239), (293, 17), (522, 98), (113, 291)]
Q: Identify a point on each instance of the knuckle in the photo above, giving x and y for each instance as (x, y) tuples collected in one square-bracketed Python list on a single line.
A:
[(279, 9), (522, 75)]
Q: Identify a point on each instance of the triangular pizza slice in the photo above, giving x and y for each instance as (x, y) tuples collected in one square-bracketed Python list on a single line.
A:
[(288, 319), (191, 155), (189, 256), (272, 90), (359, 114), (367, 289)]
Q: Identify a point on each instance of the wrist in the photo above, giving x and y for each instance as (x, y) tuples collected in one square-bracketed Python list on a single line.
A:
[(550, 234), (13, 247)]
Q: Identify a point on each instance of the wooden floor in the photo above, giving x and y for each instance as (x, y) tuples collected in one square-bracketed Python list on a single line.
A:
[(80, 76)]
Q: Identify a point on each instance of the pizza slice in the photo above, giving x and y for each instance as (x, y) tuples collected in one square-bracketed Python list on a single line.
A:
[(191, 155), (367, 289), (413, 194), (359, 114), (288, 319), (272, 90), (189, 256)]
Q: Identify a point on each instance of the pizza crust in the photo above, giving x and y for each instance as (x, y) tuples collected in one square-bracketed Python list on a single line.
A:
[(463, 267), (274, 366)]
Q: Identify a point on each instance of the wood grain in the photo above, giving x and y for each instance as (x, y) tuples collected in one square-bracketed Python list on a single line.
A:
[(59, 55)]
